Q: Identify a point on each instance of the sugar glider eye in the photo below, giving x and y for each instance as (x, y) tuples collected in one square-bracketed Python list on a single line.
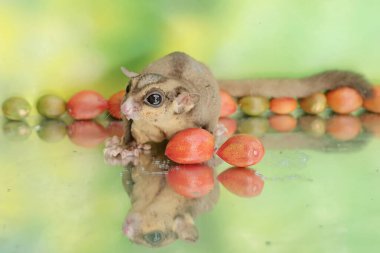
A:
[(154, 237), (154, 99)]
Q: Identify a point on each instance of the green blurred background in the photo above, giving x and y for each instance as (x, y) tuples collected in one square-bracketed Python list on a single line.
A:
[(63, 46), (62, 198)]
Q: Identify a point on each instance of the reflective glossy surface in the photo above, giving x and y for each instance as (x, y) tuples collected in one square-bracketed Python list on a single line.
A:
[(57, 194)]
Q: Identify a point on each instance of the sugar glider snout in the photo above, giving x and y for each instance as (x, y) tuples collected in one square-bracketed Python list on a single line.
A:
[(130, 109)]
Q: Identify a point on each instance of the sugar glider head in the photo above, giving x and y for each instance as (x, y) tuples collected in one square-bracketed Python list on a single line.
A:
[(153, 98)]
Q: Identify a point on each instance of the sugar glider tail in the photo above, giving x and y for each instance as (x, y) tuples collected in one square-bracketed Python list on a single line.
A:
[(297, 87)]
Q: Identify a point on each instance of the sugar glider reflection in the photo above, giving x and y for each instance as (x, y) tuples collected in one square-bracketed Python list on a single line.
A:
[(178, 92), (158, 215)]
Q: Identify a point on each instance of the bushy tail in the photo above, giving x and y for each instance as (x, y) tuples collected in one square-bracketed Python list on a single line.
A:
[(297, 87)]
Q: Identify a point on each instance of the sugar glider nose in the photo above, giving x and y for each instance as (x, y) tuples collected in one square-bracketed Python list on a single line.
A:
[(129, 109)]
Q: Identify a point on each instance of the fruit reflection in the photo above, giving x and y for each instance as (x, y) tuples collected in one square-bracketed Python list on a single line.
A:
[(51, 130), (242, 182), (371, 123), (344, 127), (229, 124), (253, 126), (283, 123), (191, 181), (16, 130), (313, 125), (87, 134)]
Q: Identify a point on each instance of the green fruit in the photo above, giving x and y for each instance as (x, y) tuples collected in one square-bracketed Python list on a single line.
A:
[(16, 108), (51, 130), (254, 126), (254, 105), (16, 130), (314, 104), (51, 106)]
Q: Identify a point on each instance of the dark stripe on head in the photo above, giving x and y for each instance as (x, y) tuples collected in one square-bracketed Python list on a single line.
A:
[(178, 63), (148, 79)]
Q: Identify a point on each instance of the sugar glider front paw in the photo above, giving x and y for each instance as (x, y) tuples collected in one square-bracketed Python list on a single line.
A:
[(116, 152)]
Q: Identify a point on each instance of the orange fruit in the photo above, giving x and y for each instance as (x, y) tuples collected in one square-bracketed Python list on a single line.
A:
[(86, 104), (344, 100), (372, 104), (191, 146), (242, 150), (114, 104), (284, 105), (228, 104)]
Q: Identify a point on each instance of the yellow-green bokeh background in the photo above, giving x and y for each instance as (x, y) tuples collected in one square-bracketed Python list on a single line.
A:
[(62, 198)]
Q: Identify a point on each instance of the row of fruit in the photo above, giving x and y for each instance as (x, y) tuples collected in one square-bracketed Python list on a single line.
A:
[(343, 100), (88, 104), (84, 105)]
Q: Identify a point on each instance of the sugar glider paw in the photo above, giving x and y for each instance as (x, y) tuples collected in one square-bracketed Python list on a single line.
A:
[(116, 152)]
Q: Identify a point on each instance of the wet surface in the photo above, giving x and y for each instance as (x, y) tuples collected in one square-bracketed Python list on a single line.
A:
[(316, 190)]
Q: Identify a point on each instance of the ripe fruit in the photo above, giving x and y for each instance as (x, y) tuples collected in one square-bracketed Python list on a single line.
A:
[(314, 104), (344, 100), (242, 150), (228, 104), (243, 182), (114, 103), (283, 105), (344, 127), (86, 105), (87, 134), (254, 105), (191, 181), (229, 124), (190, 146), (283, 123), (16, 108), (372, 104), (51, 106)]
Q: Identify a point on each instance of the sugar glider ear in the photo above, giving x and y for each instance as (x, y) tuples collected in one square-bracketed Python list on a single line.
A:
[(128, 73), (185, 228), (185, 101)]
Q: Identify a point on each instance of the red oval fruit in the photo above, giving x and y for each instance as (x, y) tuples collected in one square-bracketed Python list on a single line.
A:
[(228, 104), (372, 104), (190, 146), (283, 105), (243, 182), (242, 150), (86, 105), (283, 123), (229, 124), (344, 100), (114, 104), (191, 181), (344, 127), (87, 134)]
